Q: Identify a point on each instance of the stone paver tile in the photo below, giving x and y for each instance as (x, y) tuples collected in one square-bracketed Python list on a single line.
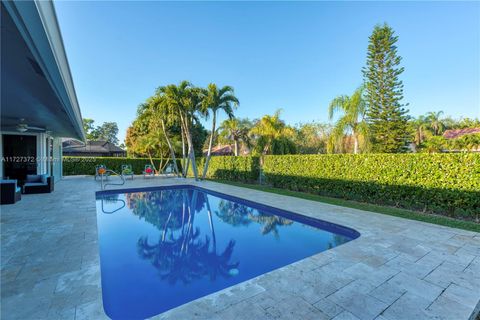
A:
[(420, 270), (248, 310), (462, 295), (345, 315), (61, 314), (295, 308), (448, 273), (407, 307), (192, 311), (354, 298), (222, 299), (388, 292), (416, 286), (328, 307), (445, 308), (92, 310)]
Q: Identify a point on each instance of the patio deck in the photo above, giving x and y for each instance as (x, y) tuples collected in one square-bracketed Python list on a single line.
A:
[(397, 269)]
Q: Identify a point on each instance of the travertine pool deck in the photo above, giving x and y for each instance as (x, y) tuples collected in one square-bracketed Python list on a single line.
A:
[(397, 269)]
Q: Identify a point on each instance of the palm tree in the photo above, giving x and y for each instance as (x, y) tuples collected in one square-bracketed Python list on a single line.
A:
[(352, 120), (419, 129), (166, 116), (214, 100), (272, 135), (152, 143), (186, 101), (236, 130), (435, 123)]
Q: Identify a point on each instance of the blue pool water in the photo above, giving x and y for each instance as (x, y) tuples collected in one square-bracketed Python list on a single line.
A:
[(163, 247)]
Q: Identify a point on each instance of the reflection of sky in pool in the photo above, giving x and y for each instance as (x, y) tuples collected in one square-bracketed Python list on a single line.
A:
[(166, 247)]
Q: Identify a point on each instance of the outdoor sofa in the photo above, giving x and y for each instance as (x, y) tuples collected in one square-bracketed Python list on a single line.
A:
[(10, 191), (38, 183)]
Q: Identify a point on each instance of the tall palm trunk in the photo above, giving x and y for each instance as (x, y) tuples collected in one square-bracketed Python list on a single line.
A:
[(237, 151), (355, 142), (191, 151), (210, 144), (212, 229), (184, 158), (172, 151)]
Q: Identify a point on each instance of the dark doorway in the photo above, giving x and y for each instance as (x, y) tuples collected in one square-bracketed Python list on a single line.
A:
[(19, 152)]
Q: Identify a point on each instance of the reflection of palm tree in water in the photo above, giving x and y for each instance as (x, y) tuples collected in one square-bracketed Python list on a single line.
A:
[(240, 215), (270, 222), (233, 213), (181, 254)]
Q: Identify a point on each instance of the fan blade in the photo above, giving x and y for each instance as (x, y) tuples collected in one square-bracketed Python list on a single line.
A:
[(35, 128)]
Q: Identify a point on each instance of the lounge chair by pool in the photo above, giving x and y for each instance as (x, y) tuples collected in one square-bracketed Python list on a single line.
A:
[(127, 170), (148, 171)]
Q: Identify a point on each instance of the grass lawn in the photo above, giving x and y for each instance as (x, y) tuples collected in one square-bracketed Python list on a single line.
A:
[(392, 211)]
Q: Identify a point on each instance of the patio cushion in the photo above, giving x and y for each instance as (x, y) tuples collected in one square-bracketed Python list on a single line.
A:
[(33, 184), (33, 178), (8, 181), (18, 189)]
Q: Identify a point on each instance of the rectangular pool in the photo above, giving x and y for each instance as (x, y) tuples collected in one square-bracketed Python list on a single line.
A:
[(165, 246)]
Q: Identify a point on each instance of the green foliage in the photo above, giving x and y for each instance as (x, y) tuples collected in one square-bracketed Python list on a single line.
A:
[(273, 136), (235, 130), (383, 91), (246, 169), (352, 120), (86, 165), (312, 137), (446, 184), (106, 132)]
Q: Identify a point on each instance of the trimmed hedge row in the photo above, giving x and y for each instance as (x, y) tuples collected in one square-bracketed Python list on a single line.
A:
[(86, 165), (244, 168), (446, 184)]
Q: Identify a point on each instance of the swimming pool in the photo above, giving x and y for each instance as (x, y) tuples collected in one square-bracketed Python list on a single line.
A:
[(165, 246)]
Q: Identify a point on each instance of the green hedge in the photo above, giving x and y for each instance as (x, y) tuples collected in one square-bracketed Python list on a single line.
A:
[(244, 168), (446, 184), (86, 165)]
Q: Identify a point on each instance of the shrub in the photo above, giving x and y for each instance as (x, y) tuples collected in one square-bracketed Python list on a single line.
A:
[(243, 168), (440, 183), (86, 165)]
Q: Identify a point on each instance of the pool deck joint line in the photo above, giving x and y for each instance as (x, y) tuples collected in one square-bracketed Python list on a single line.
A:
[(397, 269)]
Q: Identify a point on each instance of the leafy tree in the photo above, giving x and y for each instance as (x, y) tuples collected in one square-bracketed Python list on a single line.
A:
[(88, 127), (273, 136), (108, 131), (386, 116), (312, 138), (352, 120), (215, 99)]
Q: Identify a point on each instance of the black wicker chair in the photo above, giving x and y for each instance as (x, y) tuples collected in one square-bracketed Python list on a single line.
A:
[(10, 192)]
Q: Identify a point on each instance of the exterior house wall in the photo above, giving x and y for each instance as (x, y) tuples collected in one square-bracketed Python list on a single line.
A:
[(57, 159)]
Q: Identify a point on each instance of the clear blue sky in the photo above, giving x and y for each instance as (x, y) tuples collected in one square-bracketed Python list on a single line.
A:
[(294, 56)]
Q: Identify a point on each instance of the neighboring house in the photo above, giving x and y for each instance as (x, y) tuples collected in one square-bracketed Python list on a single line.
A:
[(221, 151), (38, 101), (457, 133), (73, 147), (226, 150)]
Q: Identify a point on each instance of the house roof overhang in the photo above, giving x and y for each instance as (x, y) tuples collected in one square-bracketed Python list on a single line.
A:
[(36, 82)]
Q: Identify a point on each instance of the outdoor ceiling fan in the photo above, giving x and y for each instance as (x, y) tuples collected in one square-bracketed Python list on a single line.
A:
[(23, 127)]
